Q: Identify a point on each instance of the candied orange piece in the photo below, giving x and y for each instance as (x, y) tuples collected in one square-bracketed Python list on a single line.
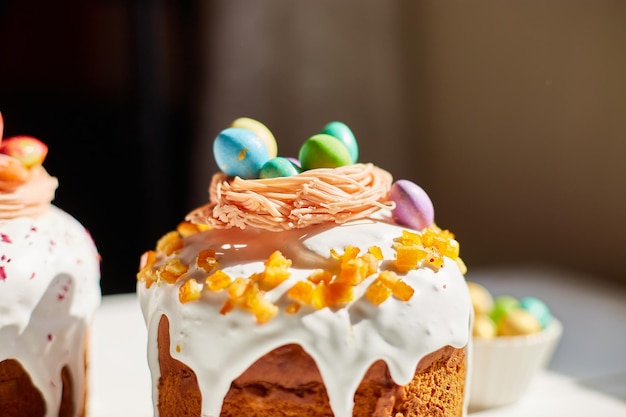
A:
[(409, 257), (372, 262), (169, 243), (228, 306), (376, 252), (265, 311), (339, 293), (409, 238), (189, 291), (319, 300), (402, 290), (452, 249), (320, 275), (147, 275), (186, 228), (378, 292), (389, 278), (218, 281), (353, 271), (206, 260), (147, 259), (302, 291), (237, 287), (276, 271), (292, 308), (171, 270)]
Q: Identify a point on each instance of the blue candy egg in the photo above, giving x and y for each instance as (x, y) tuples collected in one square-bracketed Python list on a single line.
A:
[(278, 167), (537, 308), (342, 132), (239, 152)]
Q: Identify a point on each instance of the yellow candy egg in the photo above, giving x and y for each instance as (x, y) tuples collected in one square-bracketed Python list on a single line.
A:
[(484, 327), (482, 301), (518, 322)]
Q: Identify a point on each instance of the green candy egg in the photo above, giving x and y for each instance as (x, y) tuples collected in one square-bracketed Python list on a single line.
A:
[(323, 151), (342, 132), (502, 305), (278, 167)]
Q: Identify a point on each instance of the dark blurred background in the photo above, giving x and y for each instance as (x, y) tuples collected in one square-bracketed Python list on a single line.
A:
[(511, 115)]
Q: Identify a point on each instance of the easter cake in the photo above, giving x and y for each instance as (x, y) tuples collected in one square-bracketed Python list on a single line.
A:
[(314, 286), (49, 290)]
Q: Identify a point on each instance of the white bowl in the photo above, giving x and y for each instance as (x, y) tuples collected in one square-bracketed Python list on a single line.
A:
[(504, 366)]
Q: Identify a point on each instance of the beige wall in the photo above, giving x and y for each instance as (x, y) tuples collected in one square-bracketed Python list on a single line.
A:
[(512, 115)]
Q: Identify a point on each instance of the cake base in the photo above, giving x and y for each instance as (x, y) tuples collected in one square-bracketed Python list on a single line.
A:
[(19, 397), (286, 383)]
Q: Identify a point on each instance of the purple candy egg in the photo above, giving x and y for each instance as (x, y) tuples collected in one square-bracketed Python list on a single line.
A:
[(414, 208)]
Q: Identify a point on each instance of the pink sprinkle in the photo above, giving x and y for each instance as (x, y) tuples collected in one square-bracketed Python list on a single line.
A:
[(50, 337), (445, 286), (61, 297), (5, 238), (32, 275), (3, 257), (3, 274)]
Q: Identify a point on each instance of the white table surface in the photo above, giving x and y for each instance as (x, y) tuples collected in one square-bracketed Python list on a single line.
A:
[(587, 375)]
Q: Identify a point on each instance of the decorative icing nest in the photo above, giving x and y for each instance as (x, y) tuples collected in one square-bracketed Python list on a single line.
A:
[(315, 196)]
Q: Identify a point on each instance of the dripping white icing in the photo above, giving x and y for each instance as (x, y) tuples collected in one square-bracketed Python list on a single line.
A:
[(343, 343), (49, 291)]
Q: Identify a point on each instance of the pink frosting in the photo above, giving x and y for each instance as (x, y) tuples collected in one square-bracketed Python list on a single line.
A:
[(31, 199)]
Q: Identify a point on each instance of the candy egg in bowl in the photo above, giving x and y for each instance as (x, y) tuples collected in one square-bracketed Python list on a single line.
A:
[(513, 339)]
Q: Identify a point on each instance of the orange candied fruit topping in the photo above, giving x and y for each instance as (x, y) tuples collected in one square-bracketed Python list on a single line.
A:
[(276, 271), (170, 243), (189, 291), (206, 260), (171, 270), (429, 248), (386, 284), (186, 228), (218, 281)]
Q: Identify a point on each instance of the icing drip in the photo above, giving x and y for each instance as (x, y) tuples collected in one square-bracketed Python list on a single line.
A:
[(344, 342), (49, 291)]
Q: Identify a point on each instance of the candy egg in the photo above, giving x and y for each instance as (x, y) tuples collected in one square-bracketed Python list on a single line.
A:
[(414, 208), (537, 308), (29, 151), (278, 167), (502, 305), (342, 132), (12, 172), (239, 152), (262, 132), (483, 326), (323, 151), (518, 322), (482, 301)]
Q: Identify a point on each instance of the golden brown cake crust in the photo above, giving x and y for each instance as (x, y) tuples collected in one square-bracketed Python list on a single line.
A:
[(271, 388)]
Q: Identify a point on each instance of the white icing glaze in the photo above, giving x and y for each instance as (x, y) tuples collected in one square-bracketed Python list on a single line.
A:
[(49, 291), (343, 343)]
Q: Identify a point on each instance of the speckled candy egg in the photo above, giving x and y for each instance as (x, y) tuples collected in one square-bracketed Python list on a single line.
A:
[(239, 152), (323, 151), (414, 208), (28, 150), (342, 132), (262, 132)]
